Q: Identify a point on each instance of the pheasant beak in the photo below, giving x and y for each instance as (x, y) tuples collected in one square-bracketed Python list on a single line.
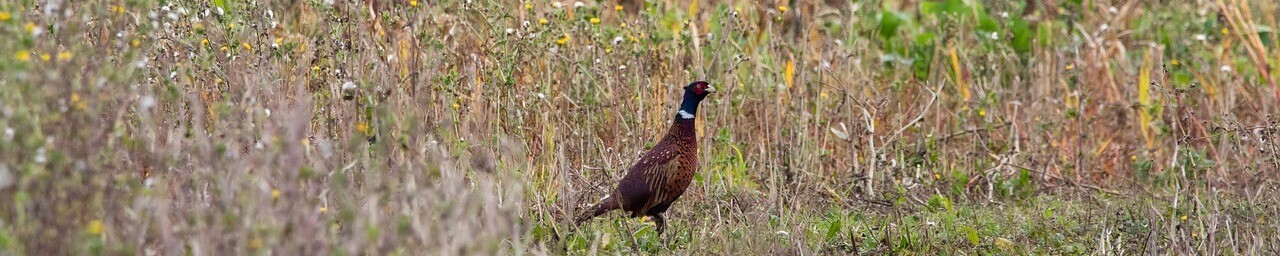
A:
[(711, 89)]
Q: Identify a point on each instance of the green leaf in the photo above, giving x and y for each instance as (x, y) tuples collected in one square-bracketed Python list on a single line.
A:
[(833, 229), (921, 58), (986, 25), (972, 235), (930, 8), (1022, 33), (925, 38), (952, 7), (890, 21), (940, 202)]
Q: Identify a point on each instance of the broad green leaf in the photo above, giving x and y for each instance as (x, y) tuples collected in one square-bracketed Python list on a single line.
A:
[(1022, 33), (890, 21), (833, 229)]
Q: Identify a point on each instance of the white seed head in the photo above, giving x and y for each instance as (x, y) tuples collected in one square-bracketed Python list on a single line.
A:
[(40, 156), (147, 102)]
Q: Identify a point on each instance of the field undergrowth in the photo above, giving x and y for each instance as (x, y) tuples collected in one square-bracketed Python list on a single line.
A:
[(376, 127)]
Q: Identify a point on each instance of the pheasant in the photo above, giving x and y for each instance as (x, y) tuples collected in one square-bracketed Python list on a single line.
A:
[(662, 174)]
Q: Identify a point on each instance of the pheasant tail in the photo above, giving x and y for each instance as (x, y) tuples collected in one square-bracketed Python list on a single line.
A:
[(605, 205)]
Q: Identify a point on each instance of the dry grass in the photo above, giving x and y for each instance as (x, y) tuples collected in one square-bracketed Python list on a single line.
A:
[(478, 127)]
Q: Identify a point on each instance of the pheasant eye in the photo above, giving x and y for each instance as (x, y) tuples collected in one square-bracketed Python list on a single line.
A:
[(700, 88)]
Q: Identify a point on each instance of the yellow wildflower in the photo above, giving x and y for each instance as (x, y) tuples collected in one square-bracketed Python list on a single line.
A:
[(77, 103), (413, 3), (135, 43), (275, 194), (595, 20), (45, 56), (29, 27), (1174, 63), (1226, 31), (204, 41), (4, 16), (324, 209), (95, 227), (528, 6), (23, 55), (315, 68), (624, 25), (542, 21), (64, 55), (362, 127), (1071, 66), (563, 40), (617, 8), (246, 46), (782, 8), (279, 40)]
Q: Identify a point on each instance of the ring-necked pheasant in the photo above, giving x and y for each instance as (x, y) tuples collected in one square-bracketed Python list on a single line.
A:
[(663, 173)]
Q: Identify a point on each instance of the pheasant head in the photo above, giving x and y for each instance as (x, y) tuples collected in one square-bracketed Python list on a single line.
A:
[(693, 94)]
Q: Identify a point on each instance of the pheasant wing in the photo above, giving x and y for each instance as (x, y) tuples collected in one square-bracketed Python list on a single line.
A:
[(647, 183)]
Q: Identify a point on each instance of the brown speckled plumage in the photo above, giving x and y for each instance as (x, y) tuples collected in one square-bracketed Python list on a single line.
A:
[(662, 174)]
